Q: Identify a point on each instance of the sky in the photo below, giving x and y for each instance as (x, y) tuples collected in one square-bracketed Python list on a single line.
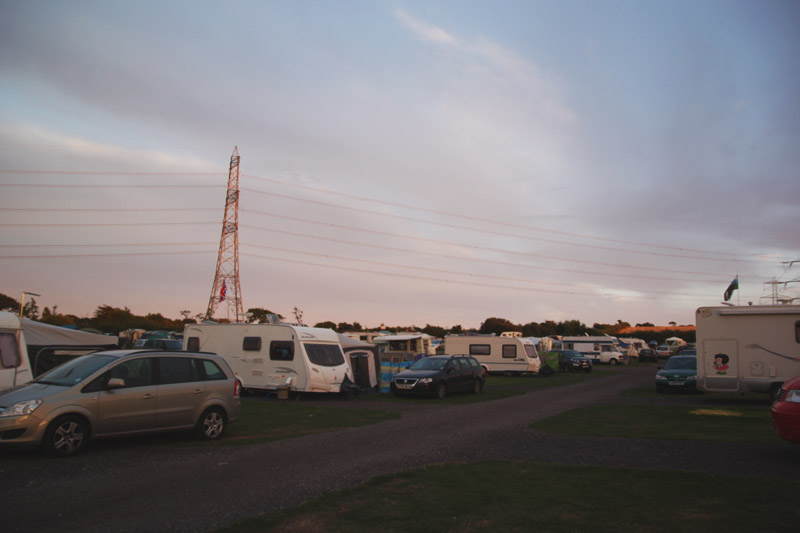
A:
[(402, 162)]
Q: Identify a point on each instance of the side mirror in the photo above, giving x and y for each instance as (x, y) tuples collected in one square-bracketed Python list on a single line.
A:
[(116, 383)]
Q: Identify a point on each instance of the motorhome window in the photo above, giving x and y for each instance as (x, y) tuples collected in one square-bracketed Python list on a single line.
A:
[(212, 371), (569, 346), (9, 352), (251, 344), (281, 351), (177, 370), (399, 346), (509, 351), (596, 347), (797, 331), (193, 344), (480, 349), (324, 354)]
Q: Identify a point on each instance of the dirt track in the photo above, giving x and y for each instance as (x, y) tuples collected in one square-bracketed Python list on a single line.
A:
[(146, 487)]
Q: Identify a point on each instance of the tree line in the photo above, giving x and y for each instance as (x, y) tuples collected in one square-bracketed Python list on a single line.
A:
[(113, 320)]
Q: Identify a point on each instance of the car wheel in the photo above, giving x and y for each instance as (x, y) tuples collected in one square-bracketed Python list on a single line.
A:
[(612, 362), (66, 435), (212, 424), (477, 386), (441, 390)]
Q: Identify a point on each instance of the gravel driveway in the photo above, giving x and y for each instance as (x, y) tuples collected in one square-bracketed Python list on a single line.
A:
[(149, 487)]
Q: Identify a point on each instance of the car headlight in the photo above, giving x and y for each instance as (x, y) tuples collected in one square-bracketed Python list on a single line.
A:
[(425, 381), (21, 408), (659, 377), (792, 396)]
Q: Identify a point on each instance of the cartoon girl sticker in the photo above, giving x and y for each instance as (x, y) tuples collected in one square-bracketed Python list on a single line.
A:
[(721, 363)]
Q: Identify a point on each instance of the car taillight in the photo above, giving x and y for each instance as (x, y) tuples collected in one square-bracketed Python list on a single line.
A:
[(235, 388)]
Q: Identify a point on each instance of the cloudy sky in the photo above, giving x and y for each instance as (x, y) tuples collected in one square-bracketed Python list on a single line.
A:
[(402, 162)]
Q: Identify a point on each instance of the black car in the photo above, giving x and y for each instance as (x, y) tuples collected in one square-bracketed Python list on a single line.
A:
[(647, 354), (572, 361), (439, 375)]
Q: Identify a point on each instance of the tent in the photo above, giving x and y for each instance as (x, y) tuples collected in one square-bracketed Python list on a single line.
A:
[(49, 346), (363, 360)]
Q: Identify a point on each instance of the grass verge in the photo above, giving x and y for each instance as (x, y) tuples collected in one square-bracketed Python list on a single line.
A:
[(261, 421), (743, 423), (525, 496)]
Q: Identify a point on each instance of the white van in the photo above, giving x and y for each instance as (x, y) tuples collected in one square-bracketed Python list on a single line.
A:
[(496, 354), (15, 367), (269, 356), (603, 349), (747, 348)]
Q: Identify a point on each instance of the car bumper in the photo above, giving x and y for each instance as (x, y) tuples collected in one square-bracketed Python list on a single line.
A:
[(22, 430), (687, 386), (786, 420)]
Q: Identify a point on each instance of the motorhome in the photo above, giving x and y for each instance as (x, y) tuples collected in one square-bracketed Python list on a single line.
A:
[(267, 357), (410, 345), (15, 367), (602, 349), (496, 354), (747, 348)]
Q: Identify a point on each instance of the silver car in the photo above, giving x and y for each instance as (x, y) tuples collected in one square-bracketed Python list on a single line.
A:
[(120, 392)]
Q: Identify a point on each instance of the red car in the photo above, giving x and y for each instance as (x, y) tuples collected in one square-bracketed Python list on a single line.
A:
[(786, 411)]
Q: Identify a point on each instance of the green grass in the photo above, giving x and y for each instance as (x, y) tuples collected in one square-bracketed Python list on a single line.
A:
[(732, 423), (525, 496), (261, 421)]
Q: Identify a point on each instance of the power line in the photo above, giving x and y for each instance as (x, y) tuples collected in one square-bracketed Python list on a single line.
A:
[(498, 233), (487, 220), (450, 243)]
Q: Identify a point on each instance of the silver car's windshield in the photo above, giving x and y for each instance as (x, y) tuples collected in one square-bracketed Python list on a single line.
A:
[(75, 371)]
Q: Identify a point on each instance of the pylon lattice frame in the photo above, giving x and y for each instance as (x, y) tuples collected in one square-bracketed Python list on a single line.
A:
[(226, 288)]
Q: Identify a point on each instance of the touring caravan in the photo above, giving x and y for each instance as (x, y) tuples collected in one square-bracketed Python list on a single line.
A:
[(268, 356), (747, 348), (496, 354), (31, 351), (15, 367), (603, 349)]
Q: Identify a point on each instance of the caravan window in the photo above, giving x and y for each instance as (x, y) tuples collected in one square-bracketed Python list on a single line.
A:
[(480, 349), (324, 354), (797, 331), (193, 344), (509, 351), (281, 351), (9, 353), (251, 344)]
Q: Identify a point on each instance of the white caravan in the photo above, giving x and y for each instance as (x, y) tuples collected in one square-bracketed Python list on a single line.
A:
[(15, 367), (603, 349), (747, 348), (269, 356), (496, 354)]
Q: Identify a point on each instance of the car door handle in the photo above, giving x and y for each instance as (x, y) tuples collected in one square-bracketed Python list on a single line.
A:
[(197, 391), (148, 396)]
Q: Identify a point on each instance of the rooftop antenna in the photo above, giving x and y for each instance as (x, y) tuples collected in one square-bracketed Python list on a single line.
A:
[(226, 288)]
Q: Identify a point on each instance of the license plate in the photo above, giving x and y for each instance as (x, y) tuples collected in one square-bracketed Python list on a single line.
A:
[(676, 383), (404, 387)]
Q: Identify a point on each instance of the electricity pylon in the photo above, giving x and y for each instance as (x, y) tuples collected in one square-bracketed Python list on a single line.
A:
[(226, 288)]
